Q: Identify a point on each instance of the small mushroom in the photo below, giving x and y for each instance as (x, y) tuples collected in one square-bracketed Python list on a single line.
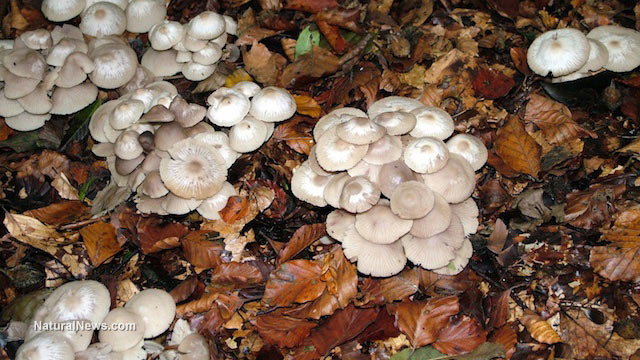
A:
[(338, 222), (59, 11), (470, 148), (206, 26), (387, 149), (210, 207), (126, 113), (334, 187), (127, 146), (380, 225), (197, 72), (359, 195), (360, 131), (74, 70), (208, 55), (412, 200), (118, 333), (156, 308), (26, 121), (373, 259), (309, 186), (455, 181), (272, 104), (397, 122), (115, 65), (167, 34), (393, 104), (47, 345), (436, 221), (247, 135), (161, 63), (193, 347), (103, 19), (228, 107), (58, 54), (39, 39), (623, 46), (432, 122), (37, 102), (335, 154), (143, 14), (73, 99), (426, 155), (559, 52), (467, 211)]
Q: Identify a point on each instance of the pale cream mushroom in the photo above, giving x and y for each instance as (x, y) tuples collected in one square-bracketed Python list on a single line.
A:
[(272, 104), (623, 46), (157, 309), (103, 19), (559, 52), (309, 186)]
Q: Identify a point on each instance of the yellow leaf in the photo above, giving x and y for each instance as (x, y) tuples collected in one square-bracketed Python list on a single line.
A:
[(517, 148), (539, 329), (237, 76), (307, 106)]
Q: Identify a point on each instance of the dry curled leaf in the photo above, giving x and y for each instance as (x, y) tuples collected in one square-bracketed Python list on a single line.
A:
[(303, 237), (491, 83), (203, 249), (517, 148), (341, 327), (154, 234), (539, 328), (390, 289), (306, 105), (238, 274), (264, 65), (554, 119), (60, 213), (506, 337)]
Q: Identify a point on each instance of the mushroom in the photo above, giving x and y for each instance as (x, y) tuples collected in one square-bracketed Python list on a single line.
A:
[(157, 114), (436, 221), (426, 155), (393, 174), (165, 35), (206, 26), (393, 104), (26, 121), (196, 72), (74, 99), (126, 167), (127, 146), (161, 63), (37, 102), (9, 107), (66, 31), (124, 329), (309, 186), (143, 14), (187, 114), (369, 171), (228, 107), (74, 71), (360, 131), (193, 347), (334, 187), (335, 154), (467, 211), (99, 118), (152, 186), (247, 88), (16, 87), (335, 117), (412, 200), (373, 259), (176, 205), (59, 11), (455, 181), (47, 345), (194, 170), (358, 195), (559, 52), (380, 225), (247, 135), (122, 4), (115, 65), (39, 39), (338, 222), (126, 113), (167, 135), (623, 46), (272, 104), (429, 253), (208, 55), (157, 309), (432, 122), (220, 142), (470, 148), (397, 122), (58, 54), (26, 63), (459, 262), (210, 207), (103, 19), (191, 44), (313, 162)]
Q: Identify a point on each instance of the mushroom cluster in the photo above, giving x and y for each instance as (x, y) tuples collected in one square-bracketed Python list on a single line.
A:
[(74, 310), (107, 17), (570, 55), (58, 73), (400, 191), (193, 49)]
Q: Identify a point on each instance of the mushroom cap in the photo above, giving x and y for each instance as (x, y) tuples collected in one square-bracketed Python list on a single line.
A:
[(126, 113), (219, 141), (147, 205), (161, 63), (598, 57), (193, 347), (397, 122), (359, 131), (157, 114), (412, 200), (470, 148), (9, 107), (308, 186), (426, 155), (369, 171), (146, 95), (380, 225), (335, 117), (184, 56), (206, 26), (118, 334), (103, 19), (373, 259), (26, 121), (99, 118), (228, 107), (127, 146), (272, 104), (210, 207), (176, 205), (165, 35), (248, 88), (59, 11), (455, 181), (46, 345), (16, 87), (459, 262), (338, 222), (37, 102), (103, 149), (429, 253), (208, 55), (197, 72), (73, 99), (333, 190), (95, 43), (122, 4), (393, 174), (313, 162), (467, 211), (387, 149), (167, 135), (393, 104), (559, 52), (187, 114), (25, 63), (58, 54), (435, 222), (200, 128), (78, 300), (74, 71), (143, 14), (142, 78), (247, 135), (623, 46), (152, 186), (359, 195), (126, 167), (66, 31), (335, 154), (432, 122), (195, 170), (191, 44), (156, 308), (115, 65), (39, 39)]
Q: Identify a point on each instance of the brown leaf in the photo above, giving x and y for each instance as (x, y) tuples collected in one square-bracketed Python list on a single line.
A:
[(262, 64), (554, 119), (517, 148), (341, 327), (221, 309), (297, 133), (519, 57), (295, 281), (333, 36), (185, 289), (626, 228), (498, 237), (539, 329), (460, 337), (60, 213), (100, 241), (203, 249), (498, 307), (312, 6), (434, 283), (154, 234), (283, 331), (313, 65), (506, 337), (592, 208), (306, 105), (492, 84), (397, 287), (422, 321), (46, 163), (240, 275), (342, 17), (303, 237), (616, 264), (237, 207)]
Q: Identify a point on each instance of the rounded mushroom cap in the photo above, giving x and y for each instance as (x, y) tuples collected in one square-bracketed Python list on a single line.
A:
[(623, 46), (167, 135), (231, 26), (432, 122), (228, 107), (122, 4), (369, 171), (58, 54), (397, 122), (393, 104), (9, 107), (338, 222), (359, 195), (59, 11), (161, 63), (335, 117), (143, 14), (165, 35), (103, 19), (66, 31), (206, 26), (455, 181), (335, 154), (187, 114), (426, 155), (308, 186), (559, 52), (210, 207), (247, 135), (126, 114), (156, 308), (191, 44), (47, 345), (73, 99), (435, 222), (119, 335), (25, 63), (470, 148), (176, 205), (195, 170), (39, 39), (333, 190), (459, 262), (208, 55), (313, 162), (360, 131), (99, 118), (412, 200), (115, 65), (193, 347), (26, 121), (152, 186), (272, 104), (219, 141), (74, 71), (127, 146), (380, 225), (77, 300), (598, 57), (126, 167), (248, 88), (393, 174), (467, 211), (429, 253), (373, 259)]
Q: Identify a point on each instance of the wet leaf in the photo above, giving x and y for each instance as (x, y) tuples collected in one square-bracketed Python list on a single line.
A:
[(517, 148), (491, 83), (307, 106), (61, 213), (341, 327), (422, 321), (283, 331)]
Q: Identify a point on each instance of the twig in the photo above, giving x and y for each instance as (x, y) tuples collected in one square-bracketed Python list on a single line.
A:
[(83, 223)]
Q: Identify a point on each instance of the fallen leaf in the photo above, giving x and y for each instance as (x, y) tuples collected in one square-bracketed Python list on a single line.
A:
[(185, 289), (296, 133), (388, 290), (498, 237), (295, 281), (237, 76), (100, 241), (237, 207), (422, 321), (333, 36), (64, 187), (203, 249), (592, 207), (517, 148), (306, 105), (311, 6), (262, 64), (506, 337), (539, 329), (239, 275), (154, 234), (616, 264), (315, 64), (492, 84), (341, 327), (219, 312), (303, 237), (554, 119), (461, 336), (60, 213), (283, 331)]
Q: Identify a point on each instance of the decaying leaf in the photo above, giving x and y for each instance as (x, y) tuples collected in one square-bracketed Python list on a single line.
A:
[(461, 336), (616, 264), (422, 321), (539, 329), (295, 281), (284, 331), (262, 64), (517, 148), (100, 241), (303, 237)]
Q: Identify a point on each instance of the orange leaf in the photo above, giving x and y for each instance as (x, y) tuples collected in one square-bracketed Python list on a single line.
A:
[(154, 234), (202, 249), (237, 208), (221, 310), (262, 64), (491, 83), (390, 289), (539, 329), (626, 229), (554, 119), (342, 326), (237, 76), (460, 337), (283, 331), (517, 148), (313, 65), (312, 6), (333, 36), (297, 134), (238, 274), (506, 337), (422, 321), (100, 241), (63, 212), (296, 281), (616, 264), (519, 57), (303, 237), (307, 106)]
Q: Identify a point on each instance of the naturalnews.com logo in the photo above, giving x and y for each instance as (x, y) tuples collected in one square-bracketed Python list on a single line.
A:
[(77, 326)]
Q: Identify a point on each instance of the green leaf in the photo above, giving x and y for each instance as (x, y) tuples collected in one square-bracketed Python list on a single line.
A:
[(306, 40), (486, 351), (85, 188), (78, 127), (423, 353)]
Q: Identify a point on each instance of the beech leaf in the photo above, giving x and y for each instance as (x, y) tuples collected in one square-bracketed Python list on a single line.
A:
[(517, 148)]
